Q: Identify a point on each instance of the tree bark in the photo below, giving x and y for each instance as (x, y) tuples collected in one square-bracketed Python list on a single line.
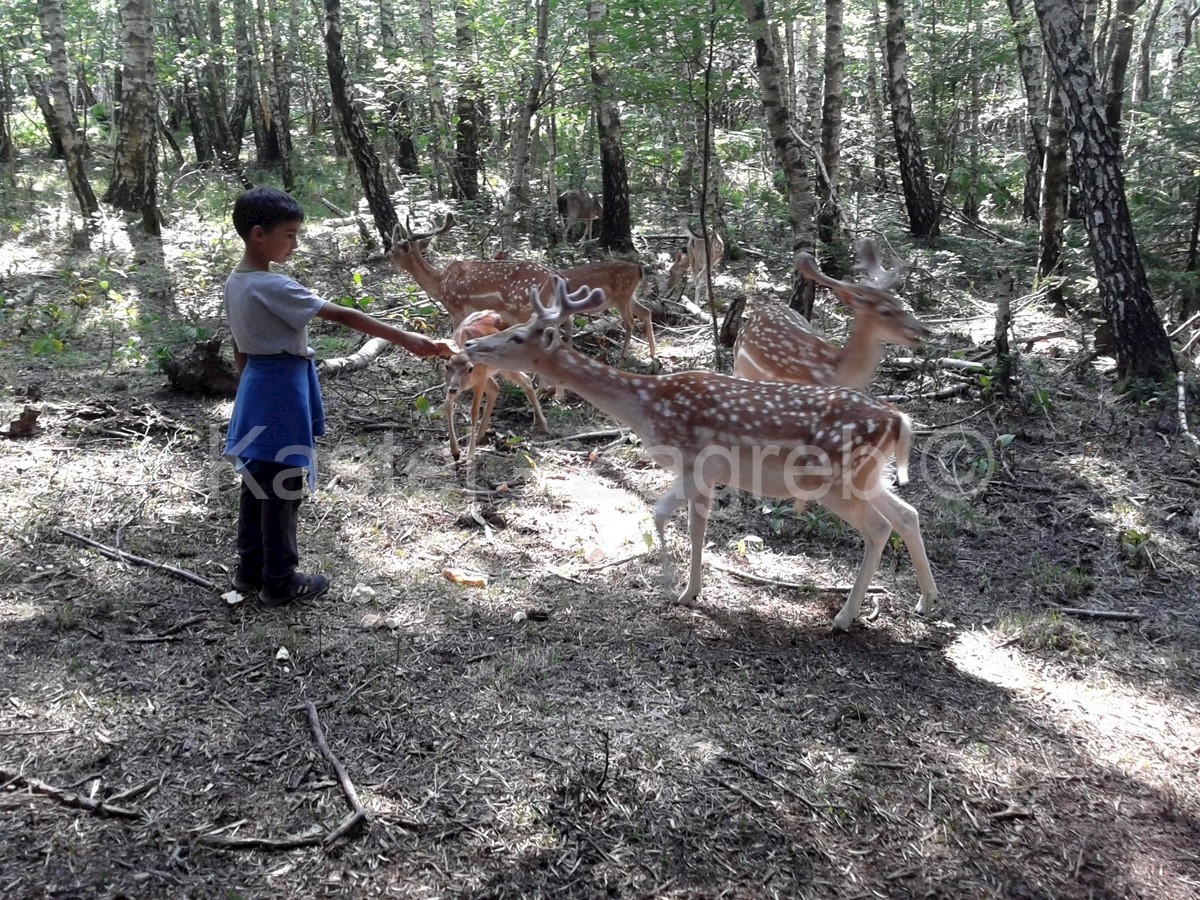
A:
[(50, 14), (465, 175), (1179, 38), (134, 182), (1122, 47), (366, 161), (518, 184), (439, 127), (1143, 351), (831, 128), (1029, 62), (1141, 84), (1053, 199), (923, 211), (396, 96), (788, 155), (278, 100), (875, 100), (615, 231)]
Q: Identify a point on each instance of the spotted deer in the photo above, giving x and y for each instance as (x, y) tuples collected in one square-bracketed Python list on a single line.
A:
[(773, 439), (579, 206), (693, 258), (469, 285), (779, 344), (619, 280), (465, 375)]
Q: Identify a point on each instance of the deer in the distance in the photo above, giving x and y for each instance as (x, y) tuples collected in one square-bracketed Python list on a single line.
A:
[(779, 344), (774, 439), (619, 280), (464, 374), (469, 285), (579, 206), (693, 258)]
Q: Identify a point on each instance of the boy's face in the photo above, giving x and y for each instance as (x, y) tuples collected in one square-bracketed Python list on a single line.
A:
[(277, 244)]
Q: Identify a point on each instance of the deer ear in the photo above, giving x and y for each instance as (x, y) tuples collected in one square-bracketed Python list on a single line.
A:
[(551, 338)]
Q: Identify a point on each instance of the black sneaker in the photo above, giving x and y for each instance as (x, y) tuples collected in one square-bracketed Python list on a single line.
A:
[(303, 587), (244, 585)]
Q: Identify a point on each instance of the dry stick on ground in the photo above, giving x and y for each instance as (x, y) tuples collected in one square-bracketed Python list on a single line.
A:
[(167, 635), (1112, 615), (774, 582), (114, 553), (358, 815), (1183, 422), (294, 842), (11, 778)]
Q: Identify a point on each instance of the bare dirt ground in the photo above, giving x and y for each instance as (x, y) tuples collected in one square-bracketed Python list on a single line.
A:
[(563, 731)]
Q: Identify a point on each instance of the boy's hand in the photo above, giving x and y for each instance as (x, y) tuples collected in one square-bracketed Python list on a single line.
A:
[(420, 345)]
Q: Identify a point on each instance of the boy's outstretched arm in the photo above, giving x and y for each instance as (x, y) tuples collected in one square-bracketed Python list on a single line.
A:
[(414, 343)]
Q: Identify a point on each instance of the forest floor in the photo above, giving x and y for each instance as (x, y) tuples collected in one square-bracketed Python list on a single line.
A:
[(563, 730)]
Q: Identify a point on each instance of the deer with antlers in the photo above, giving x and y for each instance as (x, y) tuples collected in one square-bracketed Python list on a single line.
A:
[(779, 344), (772, 439), (465, 375), (697, 257), (469, 285), (619, 280)]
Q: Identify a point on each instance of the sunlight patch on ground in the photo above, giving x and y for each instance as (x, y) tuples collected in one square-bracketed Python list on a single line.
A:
[(604, 521), (1119, 726)]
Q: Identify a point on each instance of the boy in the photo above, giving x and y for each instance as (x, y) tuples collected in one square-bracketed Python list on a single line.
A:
[(278, 411)]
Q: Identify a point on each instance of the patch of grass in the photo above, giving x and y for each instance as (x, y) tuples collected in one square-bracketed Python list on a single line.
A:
[(1051, 632), (1059, 583)]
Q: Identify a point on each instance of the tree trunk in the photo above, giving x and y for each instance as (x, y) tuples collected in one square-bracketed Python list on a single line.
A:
[(923, 212), (395, 95), (1142, 348), (1189, 302), (831, 128), (245, 85), (40, 89), (1029, 61), (1141, 83), (875, 100), (615, 231), (1053, 196), (1179, 38), (134, 183), (278, 95), (518, 184), (186, 36), (788, 155), (464, 182), (366, 161), (50, 14), (439, 128), (1122, 47)]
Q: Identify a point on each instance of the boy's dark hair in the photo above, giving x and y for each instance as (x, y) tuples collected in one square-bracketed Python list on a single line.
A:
[(265, 206)]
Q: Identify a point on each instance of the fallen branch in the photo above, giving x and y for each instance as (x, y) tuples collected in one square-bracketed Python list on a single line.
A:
[(1183, 422), (66, 798), (952, 391), (114, 553), (586, 436), (948, 362), (356, 361), (293, 842), (169, 634), (1111, 615), (774, 582), (353, 823)]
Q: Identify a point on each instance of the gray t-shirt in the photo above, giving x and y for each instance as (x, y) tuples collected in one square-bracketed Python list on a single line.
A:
[(269, 313)]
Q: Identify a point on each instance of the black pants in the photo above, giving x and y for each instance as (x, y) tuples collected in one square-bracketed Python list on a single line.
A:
[(268, 516)]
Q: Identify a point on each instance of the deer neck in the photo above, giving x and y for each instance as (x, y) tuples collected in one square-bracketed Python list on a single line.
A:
[(860, 357), (428, 276), (621, 395)]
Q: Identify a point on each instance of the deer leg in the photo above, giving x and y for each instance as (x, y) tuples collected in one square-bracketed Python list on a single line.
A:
[(643, 313), (668, 504), (521, 380), (873, 525), (698, 510), (479, 419), (455, 453), (907, 523)]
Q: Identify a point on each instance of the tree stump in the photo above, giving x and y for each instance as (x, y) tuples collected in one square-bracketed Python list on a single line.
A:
[(202, 370)]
